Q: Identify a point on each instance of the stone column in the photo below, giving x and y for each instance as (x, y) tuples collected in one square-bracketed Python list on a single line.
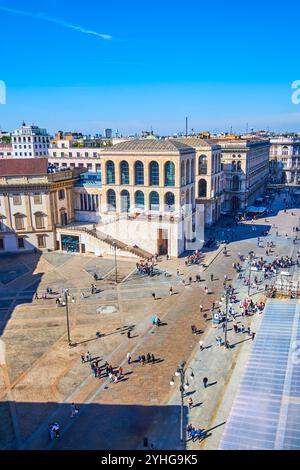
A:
[(49, 213), (28, 212), (8, 220)]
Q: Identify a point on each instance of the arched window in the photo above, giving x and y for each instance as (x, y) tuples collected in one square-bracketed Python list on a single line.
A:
[(182, 172), (154, 201), (192, 197), (202, 188), (169, 201), (110, 172), (154, 174), (139, 200), (39, 220), (125, 201), (139, 172), (124, 172), (285, 150), (235, 183), (63, 216), (187, 197), (169, 174), (188, 176), (111, 200), (233, 166), (239, 166), (203, 165), (193, 171)]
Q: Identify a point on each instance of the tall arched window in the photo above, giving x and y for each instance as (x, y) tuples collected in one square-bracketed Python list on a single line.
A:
[(187, 197), (154, 201), (169, 201), (124, 172), (125, 201), (111, 200), (188, 176), (233, 166), (235, 183), (182, 173), (239, 166), (203, 165), (202, 188), (192, 197), (169, 174), (110, 172), (139, 200), (139, 172), (154, 174), (193, 171)]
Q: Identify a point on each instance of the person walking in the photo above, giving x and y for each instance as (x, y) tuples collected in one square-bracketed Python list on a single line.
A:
[(171, 291), (190, 401), (82, 358), (153, 296), (201, 308), (253, 335), (205, 381), (201, 345), (128, 358), (128, 334), (211, 277)]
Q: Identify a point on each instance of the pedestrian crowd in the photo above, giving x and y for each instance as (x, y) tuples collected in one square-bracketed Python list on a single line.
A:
[(195, 434), (146, 266), (195, 258)]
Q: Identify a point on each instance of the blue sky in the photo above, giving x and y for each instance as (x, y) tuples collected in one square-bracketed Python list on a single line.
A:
[(130, 65)]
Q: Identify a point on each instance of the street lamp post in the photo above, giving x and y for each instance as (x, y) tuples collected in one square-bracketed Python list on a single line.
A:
[(116, 269), (227, 295), (251, 255), (184, 385), (66, 295)]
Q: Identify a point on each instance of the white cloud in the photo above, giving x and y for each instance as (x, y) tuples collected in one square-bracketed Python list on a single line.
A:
[(65, 24)]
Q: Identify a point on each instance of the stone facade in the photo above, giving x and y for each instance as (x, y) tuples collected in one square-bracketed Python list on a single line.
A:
[(285, 160), (245, 165), (32, 205)]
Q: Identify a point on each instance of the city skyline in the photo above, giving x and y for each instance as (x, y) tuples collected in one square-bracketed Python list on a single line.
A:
[(138, 67)]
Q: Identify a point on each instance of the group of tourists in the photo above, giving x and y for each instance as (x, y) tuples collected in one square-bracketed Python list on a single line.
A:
[(248, 307), (148, 359), (195, 434), (195, 258), (146, 266)]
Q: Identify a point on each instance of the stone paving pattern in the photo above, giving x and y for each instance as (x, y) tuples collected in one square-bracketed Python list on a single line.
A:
[(42, 375)]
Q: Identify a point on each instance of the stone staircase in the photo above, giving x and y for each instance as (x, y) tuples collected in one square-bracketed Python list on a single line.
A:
[(139, 252)]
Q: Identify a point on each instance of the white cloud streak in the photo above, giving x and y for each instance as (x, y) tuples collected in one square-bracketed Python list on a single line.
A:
[(65, 24)]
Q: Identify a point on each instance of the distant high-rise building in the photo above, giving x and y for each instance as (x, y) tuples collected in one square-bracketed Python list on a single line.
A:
[(108, 133), (30, 141)]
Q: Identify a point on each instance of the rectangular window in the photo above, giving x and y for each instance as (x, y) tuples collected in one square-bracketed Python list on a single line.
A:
[(19, 221), (17, 200), (21, 242), (61, 194), (41, 239), (1, 244), (39, 221)]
